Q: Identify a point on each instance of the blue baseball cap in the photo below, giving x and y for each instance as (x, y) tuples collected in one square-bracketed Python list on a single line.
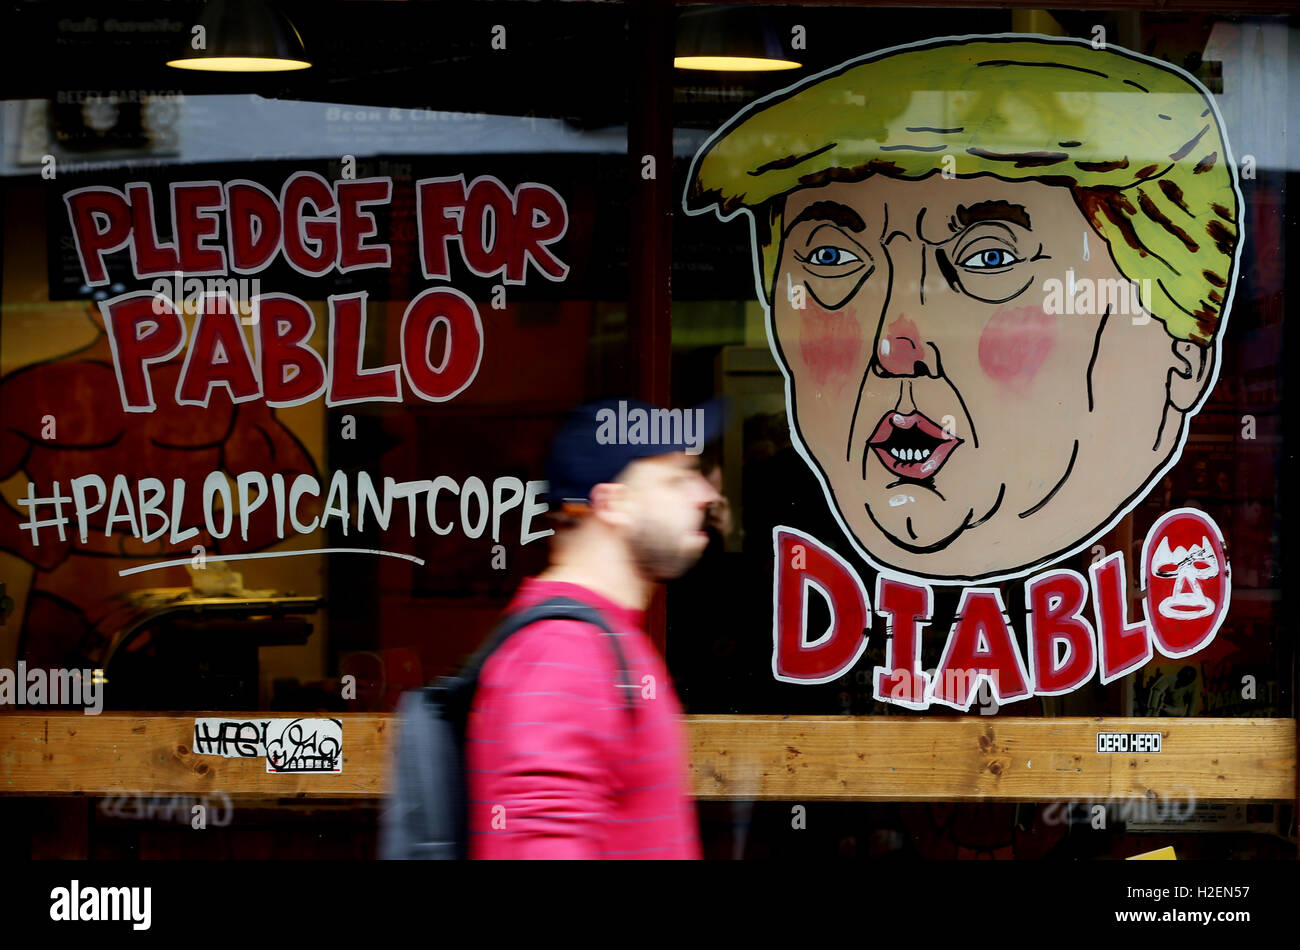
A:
[(597, 441)]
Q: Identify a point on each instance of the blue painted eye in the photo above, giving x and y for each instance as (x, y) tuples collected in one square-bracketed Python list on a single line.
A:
[(990, 258), (828, 256)]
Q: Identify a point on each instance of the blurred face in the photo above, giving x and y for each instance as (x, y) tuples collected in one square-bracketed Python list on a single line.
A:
[(667, 502), (965, 426)]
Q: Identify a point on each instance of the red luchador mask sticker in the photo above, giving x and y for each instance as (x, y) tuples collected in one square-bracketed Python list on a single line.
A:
[(1188, 581)]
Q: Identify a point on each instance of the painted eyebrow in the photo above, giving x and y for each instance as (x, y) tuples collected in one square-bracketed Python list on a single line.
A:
[(831, 211), (992, 211)]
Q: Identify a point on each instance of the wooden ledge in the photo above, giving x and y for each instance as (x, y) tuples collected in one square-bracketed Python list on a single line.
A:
[(745, 758), (973, 758)]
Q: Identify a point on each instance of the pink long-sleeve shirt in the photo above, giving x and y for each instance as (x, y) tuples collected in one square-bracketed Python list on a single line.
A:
[(557, 767)]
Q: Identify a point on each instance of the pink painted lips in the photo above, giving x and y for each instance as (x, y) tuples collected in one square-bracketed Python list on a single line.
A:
[(911, 445)]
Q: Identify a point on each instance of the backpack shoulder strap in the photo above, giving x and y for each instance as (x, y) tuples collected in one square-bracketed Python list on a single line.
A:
[(556, 608)]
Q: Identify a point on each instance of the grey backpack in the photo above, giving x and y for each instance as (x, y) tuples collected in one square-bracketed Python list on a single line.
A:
[(426, 816)]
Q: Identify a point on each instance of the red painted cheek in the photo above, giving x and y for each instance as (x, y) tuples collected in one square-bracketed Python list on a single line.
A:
[(830, 343), (1015, 343)]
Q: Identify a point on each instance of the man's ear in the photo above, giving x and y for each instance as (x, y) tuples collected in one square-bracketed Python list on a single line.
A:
[(607, 502), (1191, 373)]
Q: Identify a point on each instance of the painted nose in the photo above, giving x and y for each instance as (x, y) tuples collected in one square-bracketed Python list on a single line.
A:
[(900, 348)]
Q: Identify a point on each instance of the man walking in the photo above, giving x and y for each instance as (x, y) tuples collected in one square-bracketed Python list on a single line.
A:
[(559, 766)]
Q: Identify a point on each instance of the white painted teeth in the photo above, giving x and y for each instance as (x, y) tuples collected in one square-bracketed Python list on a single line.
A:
[(910, 455)]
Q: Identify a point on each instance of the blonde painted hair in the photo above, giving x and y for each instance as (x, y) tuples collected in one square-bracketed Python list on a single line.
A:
[(1137, 142)]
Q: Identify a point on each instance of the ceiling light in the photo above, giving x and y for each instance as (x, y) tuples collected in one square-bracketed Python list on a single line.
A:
[(729, 38), (242, 36)]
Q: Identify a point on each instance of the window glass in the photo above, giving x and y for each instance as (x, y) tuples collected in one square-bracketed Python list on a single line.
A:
[(320, 502), (998, 307)]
